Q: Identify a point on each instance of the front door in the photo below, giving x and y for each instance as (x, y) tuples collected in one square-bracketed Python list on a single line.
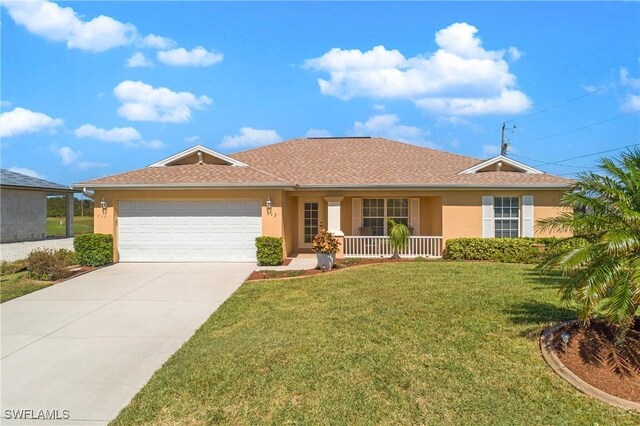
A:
[(309, 221)]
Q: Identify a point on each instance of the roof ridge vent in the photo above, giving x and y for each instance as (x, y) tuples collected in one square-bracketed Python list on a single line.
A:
[(340, 137)]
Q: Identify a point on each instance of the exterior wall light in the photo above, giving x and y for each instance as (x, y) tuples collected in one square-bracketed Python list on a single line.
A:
[(103, 206), (269, 205)]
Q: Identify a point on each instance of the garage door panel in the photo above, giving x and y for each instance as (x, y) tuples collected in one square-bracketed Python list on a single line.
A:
[(189, 230)]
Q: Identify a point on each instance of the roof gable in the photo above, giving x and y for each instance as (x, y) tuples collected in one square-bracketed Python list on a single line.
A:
[(500, 163), (198, 154)]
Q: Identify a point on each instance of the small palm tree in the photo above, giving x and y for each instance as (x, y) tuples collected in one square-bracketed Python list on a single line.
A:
[(398, 237), (603, 273)]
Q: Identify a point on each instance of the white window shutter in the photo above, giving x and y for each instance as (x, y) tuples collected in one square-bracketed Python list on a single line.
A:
[(414, 215), (527, 215), (487, 216), (356, 215)]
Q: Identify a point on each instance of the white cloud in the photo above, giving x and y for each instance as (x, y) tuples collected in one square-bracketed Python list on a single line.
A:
[(156, 42), (5, 104), (317, 133), (514, 54), (387, 126), (89, 165), (48, 20), (460, 78), (249, 138), (631, 103), (490, 150), (197, 57), (632, 98), (627, 80), (128, 136), (68, 155), (137, 60), (379, 107), (117, 134), (21, 121), (154, 144), (27, 172), (143, 102), (192, 139)]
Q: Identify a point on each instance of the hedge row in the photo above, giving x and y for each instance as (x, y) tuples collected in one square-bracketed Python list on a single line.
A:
[(508, 250)]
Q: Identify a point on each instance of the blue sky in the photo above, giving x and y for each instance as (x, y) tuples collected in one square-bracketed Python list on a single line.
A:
[(96, 88)]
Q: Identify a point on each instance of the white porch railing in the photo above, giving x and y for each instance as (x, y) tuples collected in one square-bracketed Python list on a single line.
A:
[(419, 246)]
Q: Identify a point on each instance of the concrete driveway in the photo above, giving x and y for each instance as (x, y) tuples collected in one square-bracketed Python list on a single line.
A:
[(88, 345)]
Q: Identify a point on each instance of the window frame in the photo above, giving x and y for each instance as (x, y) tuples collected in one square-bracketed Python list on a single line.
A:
[(502, 218), (386, 216)]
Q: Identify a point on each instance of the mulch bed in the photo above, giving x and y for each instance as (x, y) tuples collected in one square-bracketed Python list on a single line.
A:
[(340, 265), (591, 355)]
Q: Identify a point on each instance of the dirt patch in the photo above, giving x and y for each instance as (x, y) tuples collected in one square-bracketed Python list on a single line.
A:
[(591, 355), (340, 265)]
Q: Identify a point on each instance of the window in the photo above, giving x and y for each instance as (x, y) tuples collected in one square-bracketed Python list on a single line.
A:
[(506, 211), (376, 211), (398, 210), (373, 215), (310, 221)]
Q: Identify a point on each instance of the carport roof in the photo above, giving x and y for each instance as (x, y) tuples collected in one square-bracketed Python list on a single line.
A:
[(15, 180)]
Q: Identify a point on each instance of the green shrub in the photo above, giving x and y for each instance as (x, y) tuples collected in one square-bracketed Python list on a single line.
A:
[(93, 249), (269, 251), (48, 264), (508, 250)]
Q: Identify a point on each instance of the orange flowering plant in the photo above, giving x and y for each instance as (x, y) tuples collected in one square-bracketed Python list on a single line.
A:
[(325, 242)]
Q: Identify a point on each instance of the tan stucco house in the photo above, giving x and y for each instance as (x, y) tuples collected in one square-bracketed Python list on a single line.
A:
[(200, 205)]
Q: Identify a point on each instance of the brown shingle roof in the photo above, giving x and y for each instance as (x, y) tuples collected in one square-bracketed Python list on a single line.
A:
[(334, 162), (205, 174), (377, 161)]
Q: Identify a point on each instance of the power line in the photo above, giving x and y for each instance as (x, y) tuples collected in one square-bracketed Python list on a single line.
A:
[(578, 157), (583, 127), (563, 103)]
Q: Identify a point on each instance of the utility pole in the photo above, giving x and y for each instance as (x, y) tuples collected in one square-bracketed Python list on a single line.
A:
[(503, 145)]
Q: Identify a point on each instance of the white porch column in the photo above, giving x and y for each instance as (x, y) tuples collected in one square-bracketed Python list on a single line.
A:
[(333, 216), (69, 230)]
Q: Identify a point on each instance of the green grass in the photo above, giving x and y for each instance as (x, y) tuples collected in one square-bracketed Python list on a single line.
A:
[(18, 284), (81, 225), (406, 343)]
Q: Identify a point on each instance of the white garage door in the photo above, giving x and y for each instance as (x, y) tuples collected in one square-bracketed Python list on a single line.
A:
[(188, 231)]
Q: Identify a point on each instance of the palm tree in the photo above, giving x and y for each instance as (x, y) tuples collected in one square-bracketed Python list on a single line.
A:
[(604, 272), (398, 236)]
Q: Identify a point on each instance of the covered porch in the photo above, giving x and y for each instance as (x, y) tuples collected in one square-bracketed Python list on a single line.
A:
[(360, 223)]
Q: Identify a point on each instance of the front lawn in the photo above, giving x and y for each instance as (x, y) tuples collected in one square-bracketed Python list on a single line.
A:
[(405, 343), (56, 226), (18, 284)]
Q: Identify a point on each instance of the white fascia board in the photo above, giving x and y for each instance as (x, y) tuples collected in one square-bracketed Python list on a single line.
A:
[(503, 159), (195, 149)]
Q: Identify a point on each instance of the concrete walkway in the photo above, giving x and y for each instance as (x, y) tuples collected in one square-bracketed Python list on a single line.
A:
[(301, 261), (89, 344), (15, 251)]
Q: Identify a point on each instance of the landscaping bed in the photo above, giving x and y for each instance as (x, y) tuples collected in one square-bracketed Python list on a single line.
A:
[(591, 356), (15, 280), (341, 264)]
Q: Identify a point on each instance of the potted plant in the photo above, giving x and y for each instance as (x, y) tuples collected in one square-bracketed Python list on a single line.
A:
[(325, 245)]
